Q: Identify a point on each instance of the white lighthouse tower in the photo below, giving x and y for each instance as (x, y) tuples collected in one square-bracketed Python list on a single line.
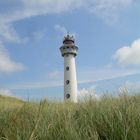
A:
[(69, 52)]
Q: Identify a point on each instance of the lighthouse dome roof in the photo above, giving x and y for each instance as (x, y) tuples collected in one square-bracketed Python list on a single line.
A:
[(68, 39)]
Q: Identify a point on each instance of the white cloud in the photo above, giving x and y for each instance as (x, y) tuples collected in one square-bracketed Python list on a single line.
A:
[(8, 33), (102, 8), (129, 55), (51, 6), (87, 93), (123, 89), (40, 7), (21, 9), (129, 87), (26, 8), (133, 86), (5, 92), (6, 64), (109, 10)]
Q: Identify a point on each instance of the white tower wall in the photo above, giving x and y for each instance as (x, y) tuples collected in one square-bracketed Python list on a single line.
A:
[(69, 52), (70, 88)]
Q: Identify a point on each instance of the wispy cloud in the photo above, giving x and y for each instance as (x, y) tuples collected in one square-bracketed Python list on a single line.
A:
[(55, 79), (36, 36), (27, 9), (35, 85), (5, 92), (55, 75), (103, 74), (7, 65), (23, 9), (109, 10), (129, 55), (132, 85), (61, 29), (103, 8), (8, 33)]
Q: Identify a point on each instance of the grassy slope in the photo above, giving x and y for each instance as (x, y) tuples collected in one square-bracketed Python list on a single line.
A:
[(9, 102), (108, 119)]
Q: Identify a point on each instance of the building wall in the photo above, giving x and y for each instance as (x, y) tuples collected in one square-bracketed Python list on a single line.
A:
[(70, 80)]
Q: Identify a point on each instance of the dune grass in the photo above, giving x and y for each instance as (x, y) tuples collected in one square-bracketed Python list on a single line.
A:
[(106, 119)]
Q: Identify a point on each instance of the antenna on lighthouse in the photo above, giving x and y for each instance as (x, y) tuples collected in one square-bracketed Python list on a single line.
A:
[(69, 52)]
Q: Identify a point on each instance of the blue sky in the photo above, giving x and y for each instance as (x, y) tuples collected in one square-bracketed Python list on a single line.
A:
[(31, 32)]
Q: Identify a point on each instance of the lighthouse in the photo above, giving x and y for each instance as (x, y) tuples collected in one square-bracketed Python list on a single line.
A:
[(69, 52)]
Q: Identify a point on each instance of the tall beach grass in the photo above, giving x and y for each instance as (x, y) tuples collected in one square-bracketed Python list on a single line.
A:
[(106, 119)]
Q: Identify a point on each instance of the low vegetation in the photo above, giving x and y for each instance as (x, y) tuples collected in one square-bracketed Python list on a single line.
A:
[(106, 119)]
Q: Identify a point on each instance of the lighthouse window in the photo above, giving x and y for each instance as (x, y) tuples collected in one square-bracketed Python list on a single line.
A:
[(67, 96), (67, 82), (67, 68)]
